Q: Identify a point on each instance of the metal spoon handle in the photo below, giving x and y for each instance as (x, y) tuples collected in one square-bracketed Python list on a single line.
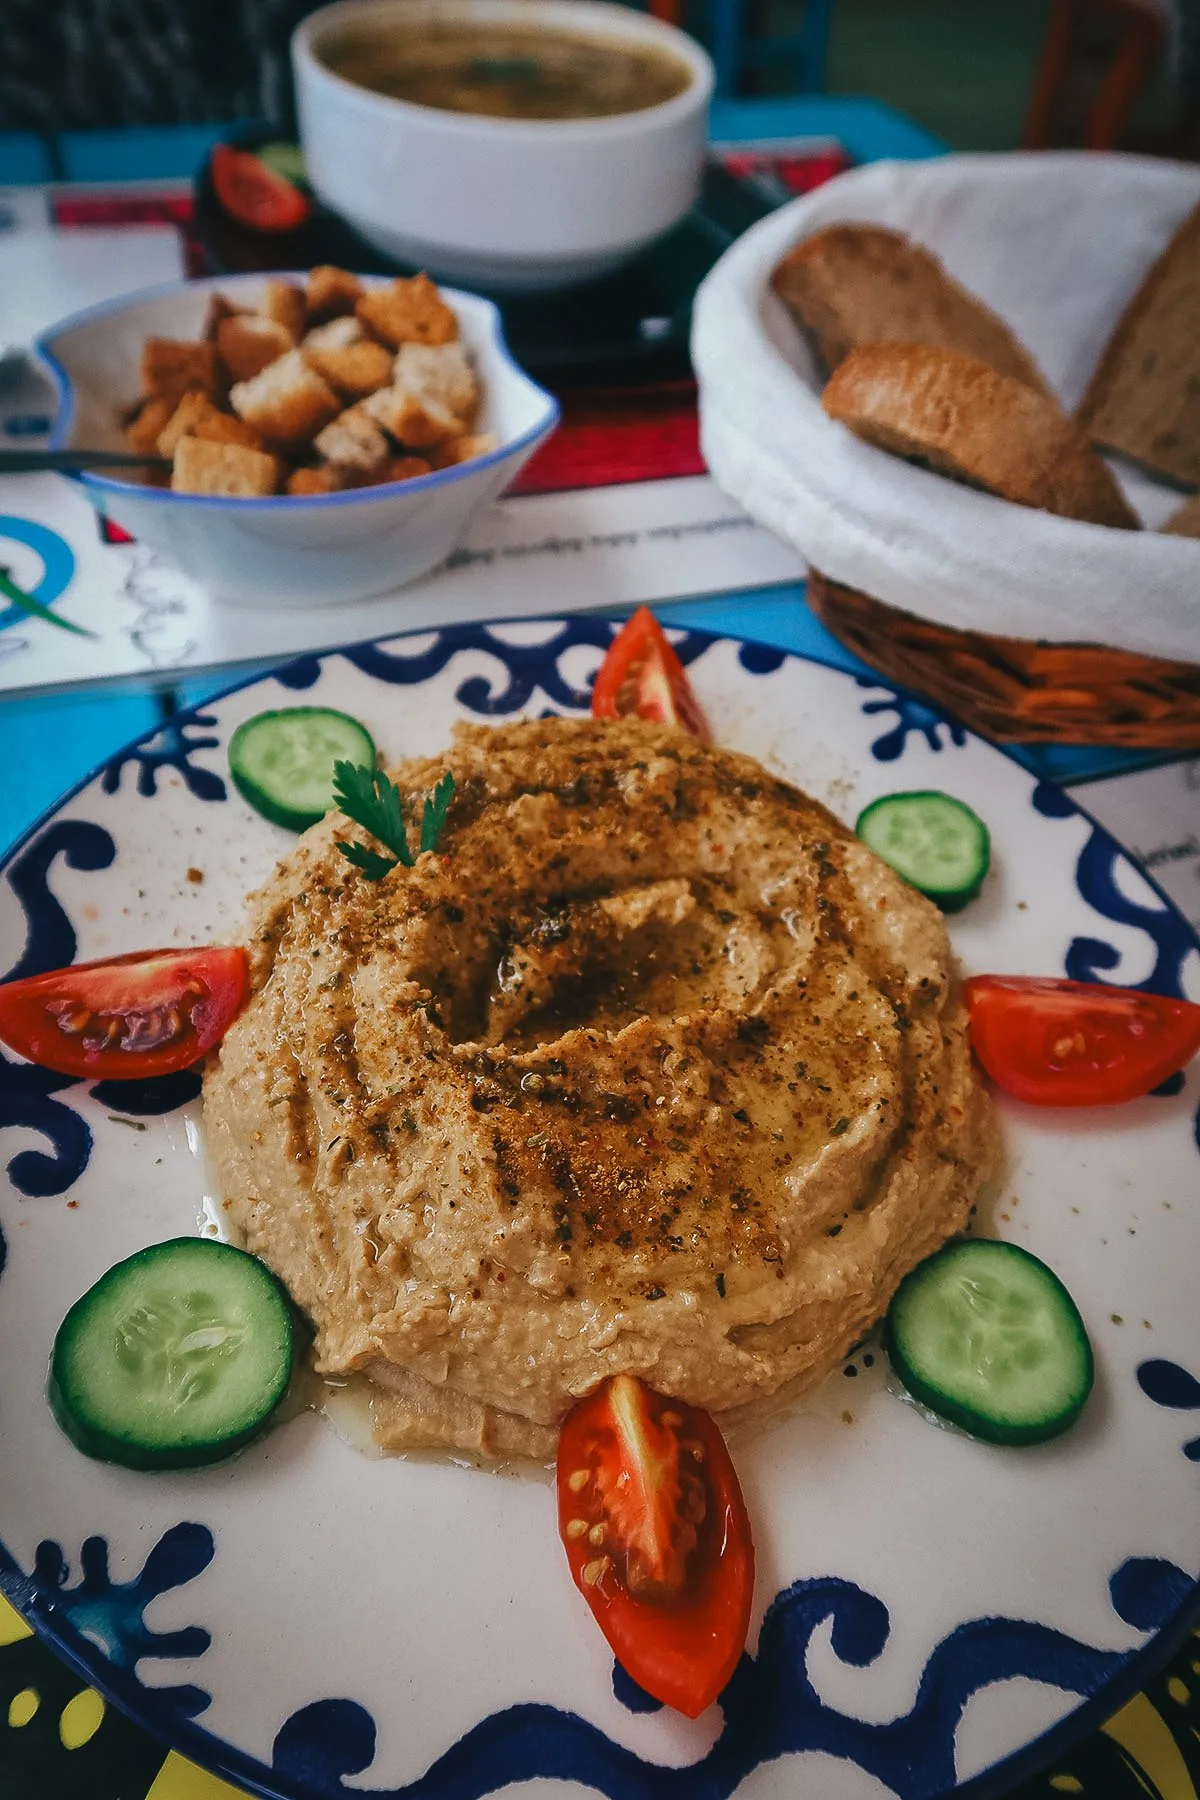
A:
[(68, 462)]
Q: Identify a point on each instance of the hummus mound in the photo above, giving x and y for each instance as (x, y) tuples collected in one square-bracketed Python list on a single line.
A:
[(652, 1067)]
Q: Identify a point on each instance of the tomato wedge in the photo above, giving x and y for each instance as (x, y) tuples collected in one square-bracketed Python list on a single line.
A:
[(642, 675), (146, 1014), (657, 1537), (255, 195), (1077, 1043)]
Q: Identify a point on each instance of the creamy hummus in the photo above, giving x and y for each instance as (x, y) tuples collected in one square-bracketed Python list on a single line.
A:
[(651, 1067)]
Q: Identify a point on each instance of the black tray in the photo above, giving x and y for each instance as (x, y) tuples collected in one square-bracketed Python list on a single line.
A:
[(628, 327)]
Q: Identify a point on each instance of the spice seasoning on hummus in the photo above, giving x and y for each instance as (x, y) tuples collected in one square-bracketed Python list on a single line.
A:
[(653, 1068)]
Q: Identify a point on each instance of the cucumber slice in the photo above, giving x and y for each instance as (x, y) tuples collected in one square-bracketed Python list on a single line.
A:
[(175, 1358), (987, 1336), (282, 762), (934, 841)]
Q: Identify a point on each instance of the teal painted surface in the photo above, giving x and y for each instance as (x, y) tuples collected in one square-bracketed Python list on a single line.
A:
[(49, 741), (23, 159)]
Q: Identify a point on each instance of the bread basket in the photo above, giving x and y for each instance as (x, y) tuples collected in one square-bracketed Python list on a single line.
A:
[(1027, 625)]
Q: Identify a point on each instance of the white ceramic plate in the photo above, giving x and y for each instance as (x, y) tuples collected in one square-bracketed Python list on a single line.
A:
[(933, 1615)]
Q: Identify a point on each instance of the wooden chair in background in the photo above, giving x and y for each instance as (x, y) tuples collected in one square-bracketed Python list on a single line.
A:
[(1139, 34)]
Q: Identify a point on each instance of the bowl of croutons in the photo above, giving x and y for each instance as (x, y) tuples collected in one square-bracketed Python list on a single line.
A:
[(310, 438)]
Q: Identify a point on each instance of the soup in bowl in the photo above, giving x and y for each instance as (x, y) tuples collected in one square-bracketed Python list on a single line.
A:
[(504, 143)]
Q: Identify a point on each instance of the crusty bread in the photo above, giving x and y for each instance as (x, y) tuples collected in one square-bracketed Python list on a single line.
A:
[(957, 416), (441, 373), (1144, 398), (336, 334), (851, 285), (414, 422), (230, 470), (196, 416), (355, 371), (408, 312), (321, 480), (463, 449), (171, 366), (142, 430), (353, 444), (1186, 522), (248, 343), (400, 468), (287, 401), (284, 302), (331, 292)]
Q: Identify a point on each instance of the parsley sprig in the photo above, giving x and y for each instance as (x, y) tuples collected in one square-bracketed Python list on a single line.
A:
[(372, 801)]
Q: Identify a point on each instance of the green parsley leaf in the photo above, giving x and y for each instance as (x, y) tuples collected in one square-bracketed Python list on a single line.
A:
[(372, 801), (373, 866), (436, 808)]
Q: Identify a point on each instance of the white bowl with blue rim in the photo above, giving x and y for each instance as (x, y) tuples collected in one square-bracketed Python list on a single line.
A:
[(285, 550)]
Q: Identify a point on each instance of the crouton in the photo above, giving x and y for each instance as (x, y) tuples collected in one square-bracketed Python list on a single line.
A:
[(408, 312), (337, 334), (331, 292), (321, 480), (218, 308), (183, 421), (170, 367), (356, 371), (248, 344), (441, 373), (411, 421), (285, 303), (288, 402), (141, 431), (464, 449), (230, 470), (353, 443), (222, 428), (399, 468)]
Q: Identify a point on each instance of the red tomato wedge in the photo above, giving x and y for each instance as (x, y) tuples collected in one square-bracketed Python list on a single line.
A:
[(642, 675), (146, 1014), (1075, 1043), (656, 1533), (255, 195)]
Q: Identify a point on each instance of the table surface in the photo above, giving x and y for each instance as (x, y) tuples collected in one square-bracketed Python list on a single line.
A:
[(59, 1739)]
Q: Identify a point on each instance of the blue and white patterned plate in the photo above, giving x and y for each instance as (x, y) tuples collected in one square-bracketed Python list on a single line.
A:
[(934, 1615)]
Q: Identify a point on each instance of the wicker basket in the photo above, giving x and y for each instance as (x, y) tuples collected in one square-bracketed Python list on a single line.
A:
[(1014, 690)]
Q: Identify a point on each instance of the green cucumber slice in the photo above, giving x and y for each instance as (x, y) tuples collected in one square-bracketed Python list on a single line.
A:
[(988, 1337), (282, 762), (176, 1357), (934, 841)]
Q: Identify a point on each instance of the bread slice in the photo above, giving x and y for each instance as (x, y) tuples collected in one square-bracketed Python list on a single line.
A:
[(1186, 522), (287, 401), (230, 470), (851, 285), (955, 415), (1144, 399)]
